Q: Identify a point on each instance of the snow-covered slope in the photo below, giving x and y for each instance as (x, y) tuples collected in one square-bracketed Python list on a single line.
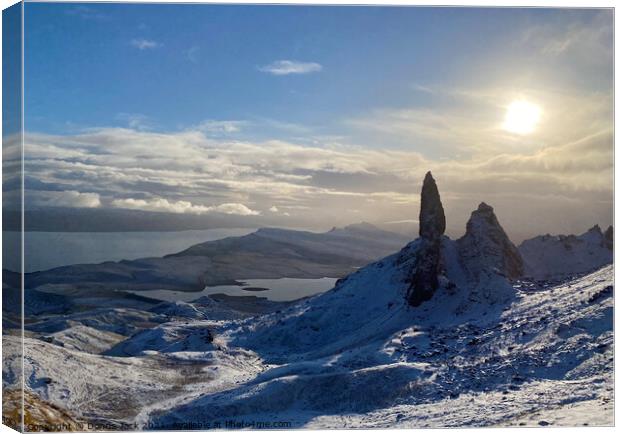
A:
[(85, 339), (337, 360), (114, 320), (484, 347), (115, 390), (387, 364), (560, 256)]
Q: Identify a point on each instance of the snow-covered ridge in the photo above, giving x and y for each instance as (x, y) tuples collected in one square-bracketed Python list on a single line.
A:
[(560, 256)]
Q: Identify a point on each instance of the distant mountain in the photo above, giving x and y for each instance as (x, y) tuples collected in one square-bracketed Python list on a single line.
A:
[(267, 253), (352, 245), (560, 256)]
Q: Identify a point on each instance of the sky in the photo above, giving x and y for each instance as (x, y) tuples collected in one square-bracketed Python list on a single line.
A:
[(322, 116)]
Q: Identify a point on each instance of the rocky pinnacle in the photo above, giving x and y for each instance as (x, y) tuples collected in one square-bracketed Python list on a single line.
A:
[(485, 246), (432, 218), (424, 280)]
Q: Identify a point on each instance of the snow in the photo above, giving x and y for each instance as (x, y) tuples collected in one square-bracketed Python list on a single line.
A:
[(85, 339), (167, 338), (480, 353), (115, 320), (490, 365), (557, 257)]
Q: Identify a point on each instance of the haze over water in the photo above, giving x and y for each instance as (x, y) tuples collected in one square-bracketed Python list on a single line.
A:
[(47, 250)]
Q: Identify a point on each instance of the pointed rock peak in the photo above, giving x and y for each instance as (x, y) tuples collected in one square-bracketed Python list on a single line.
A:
[(432, 217), (483, 220), (485, 245), (483, 207), (595, 229)]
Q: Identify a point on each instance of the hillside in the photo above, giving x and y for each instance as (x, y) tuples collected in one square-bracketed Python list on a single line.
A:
[(481, 345), (356, 356), (264, 254)]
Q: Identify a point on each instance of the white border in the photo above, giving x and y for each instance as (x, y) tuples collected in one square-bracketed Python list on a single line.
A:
[(479, 3)]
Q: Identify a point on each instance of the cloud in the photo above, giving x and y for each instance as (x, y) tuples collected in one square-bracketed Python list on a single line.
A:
[(369, 161), (421, 88), (218, 127), (274, 209), (587, 36), (86, 13), (564, 170), (182, 207), (136, 121), (397, 222), (235, 208), (192, 54), (144, 44), (191, 168), (467, 122), (286, 67), (67, 199)]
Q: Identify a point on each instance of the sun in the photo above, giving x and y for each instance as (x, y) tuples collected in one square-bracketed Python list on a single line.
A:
[(521, 117)]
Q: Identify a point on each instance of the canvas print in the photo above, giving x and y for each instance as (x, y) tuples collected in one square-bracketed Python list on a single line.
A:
[(299, 217)]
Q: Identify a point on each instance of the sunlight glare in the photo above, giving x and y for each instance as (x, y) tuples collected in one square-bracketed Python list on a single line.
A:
[(521, 117)]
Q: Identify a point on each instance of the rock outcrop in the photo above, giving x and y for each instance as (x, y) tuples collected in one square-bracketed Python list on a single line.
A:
[(608, 237), (424, 280), (480, 264), (485, 247), (432, 218)]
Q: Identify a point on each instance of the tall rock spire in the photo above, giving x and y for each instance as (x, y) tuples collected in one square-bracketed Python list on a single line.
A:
[(432, 218), (424, 280)]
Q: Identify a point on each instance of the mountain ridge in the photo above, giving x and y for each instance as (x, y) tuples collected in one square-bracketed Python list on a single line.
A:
[(559, 256), (266, 253)]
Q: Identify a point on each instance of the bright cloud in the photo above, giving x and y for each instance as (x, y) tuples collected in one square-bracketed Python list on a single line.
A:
[(189, 170), (286, 67), (182, 207)]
